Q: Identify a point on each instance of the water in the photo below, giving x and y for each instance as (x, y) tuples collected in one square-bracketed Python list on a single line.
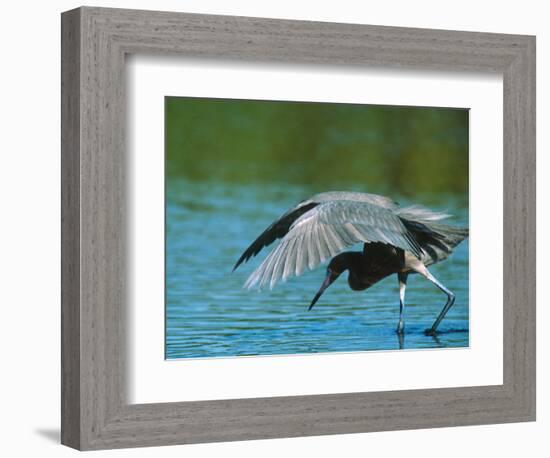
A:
[(209, 314)]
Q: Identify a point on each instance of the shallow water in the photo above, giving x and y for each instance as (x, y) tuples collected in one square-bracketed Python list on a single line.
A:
[(209, 314)]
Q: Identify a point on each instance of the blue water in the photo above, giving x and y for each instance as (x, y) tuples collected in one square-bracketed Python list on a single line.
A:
[(209, 314)]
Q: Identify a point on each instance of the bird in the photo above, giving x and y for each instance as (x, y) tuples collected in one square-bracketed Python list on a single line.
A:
[(396, 240)]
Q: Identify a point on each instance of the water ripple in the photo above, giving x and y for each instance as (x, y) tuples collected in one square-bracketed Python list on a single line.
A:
[(209, 314)]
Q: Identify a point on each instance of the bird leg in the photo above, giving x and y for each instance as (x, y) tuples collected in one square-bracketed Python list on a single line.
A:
[(402, 277), (448, 305)]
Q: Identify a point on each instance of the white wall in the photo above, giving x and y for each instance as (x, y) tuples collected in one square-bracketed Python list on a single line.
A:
[(29, 256)]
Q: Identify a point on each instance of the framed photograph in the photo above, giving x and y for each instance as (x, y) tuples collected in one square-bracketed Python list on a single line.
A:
[(277, 228)]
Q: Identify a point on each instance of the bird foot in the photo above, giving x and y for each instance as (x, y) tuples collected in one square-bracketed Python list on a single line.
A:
[(430, 332)]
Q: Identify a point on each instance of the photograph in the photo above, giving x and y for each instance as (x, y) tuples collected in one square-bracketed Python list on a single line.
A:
[(296, 227)]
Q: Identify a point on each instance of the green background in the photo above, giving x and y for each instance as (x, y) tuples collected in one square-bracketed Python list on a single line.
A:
[(386, 149)]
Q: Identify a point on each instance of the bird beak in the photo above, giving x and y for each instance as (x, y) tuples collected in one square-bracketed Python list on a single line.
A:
[(331, 276)]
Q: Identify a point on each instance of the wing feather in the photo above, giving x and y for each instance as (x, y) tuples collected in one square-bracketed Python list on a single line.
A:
[(313, 255), (301, 255), (321, 243), (335, 242), (290, 261), (280, 264)]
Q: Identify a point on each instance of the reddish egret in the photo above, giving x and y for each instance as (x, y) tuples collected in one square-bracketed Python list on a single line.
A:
[(396, 241)]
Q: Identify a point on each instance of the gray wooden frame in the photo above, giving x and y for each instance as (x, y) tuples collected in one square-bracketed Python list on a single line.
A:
[(95, 413)]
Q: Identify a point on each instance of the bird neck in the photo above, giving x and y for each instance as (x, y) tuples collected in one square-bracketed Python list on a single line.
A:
[(350, 260), (364, 272)]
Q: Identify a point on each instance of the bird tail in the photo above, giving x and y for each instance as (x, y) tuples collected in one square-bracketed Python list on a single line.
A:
[(437, 239)]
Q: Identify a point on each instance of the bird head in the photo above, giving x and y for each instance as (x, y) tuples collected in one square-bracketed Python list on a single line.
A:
[(337, 265)]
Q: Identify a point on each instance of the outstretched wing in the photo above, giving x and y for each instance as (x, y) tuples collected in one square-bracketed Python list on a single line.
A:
[(276, 231), (327, 230)]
